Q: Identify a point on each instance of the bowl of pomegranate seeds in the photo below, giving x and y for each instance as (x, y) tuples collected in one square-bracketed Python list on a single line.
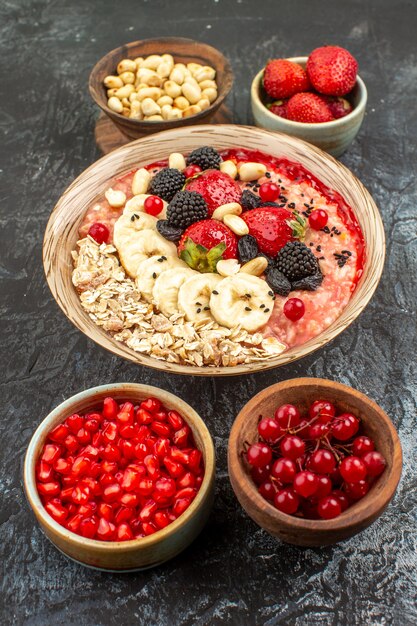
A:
[(313, 461), (121, 477), (319, 98)]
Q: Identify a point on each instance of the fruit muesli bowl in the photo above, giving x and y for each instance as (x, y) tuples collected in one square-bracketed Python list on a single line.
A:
[(334, 136), (117, 278), (365, 499), (124, 503)]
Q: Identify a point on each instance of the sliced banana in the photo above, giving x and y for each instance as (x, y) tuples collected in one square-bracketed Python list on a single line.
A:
[(135, 247), (136, 203), (149, 270), (129, 224), (167, 285), (194, 296), (242, 299)]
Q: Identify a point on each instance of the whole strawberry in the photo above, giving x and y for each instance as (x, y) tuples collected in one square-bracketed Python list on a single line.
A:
[(205, 243), (332, 70), (283, 78), (216, 187), (308, 108), (279, 107), (272, 228)]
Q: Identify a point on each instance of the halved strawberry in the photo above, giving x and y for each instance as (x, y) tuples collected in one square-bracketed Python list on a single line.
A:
[(273, 228), (205, 243), (216, 188)]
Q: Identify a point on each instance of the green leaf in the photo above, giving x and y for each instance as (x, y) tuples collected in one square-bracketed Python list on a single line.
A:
[(200, 258)]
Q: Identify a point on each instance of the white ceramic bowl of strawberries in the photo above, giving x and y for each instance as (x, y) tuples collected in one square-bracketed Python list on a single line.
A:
[(329, 103)]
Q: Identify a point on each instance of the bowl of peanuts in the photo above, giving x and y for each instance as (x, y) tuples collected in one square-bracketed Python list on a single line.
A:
[(158, 84)]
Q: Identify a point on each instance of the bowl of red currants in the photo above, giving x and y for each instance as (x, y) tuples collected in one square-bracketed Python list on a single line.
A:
[(313, 461), (121, 477)]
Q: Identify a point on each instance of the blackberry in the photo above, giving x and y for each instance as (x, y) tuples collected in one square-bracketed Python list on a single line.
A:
[(249, 200), (166, 183), (206, 157), (172, 233), (296, 261), (247, 248), (185, 208), (277, 281)]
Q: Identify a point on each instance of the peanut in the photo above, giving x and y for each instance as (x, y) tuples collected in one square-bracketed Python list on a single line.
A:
[(163, 100), (207, 84), (172, 89), (227, 267), (154, 118), (205, 73), (176, 160), (203, 104), (177, 76), (112, 92), (236, 224), (115, 104), (229, 167), (251, 171), (126, 65), (191, 92), (166, 111), (140, 181), (125, 91), (149, 107), (192, 110), (136, 110), (256, 266), (210, 93), (163, 70), (115, 198), (149, 92), (231, 208), (175, 114), (152, 62), (181, 103), (112, 82), (128, 78)]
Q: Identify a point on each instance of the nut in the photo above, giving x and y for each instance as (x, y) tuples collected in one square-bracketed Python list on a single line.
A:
[(111, 82), (194, 67), (126, 111), (227, 267), (140, 181), (256, 266), (203, 104), (115, 104), (207, 84), (177, 75), (229, 167), (126, 65), (192, 110), (136, 111), (138, 61), (191, 92), (251, 171), (128, 78), (149, 107), (164, 70), (177, 161), (231, 208), (112, 92), (149, 92), (125, 91), (172, 89), (181, 103), (168, 58), (175, 114), (205, 73), (152, 62), (149, 77), (166, 111), (115, 198), (210, 93), (163, 100), (236, 224), (154, 118)]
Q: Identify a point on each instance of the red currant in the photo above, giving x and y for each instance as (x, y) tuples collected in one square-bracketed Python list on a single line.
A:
[(269, 192), (329, 507), (341, 496), (353, 469), (375, 463), (287, 416), (259, 454), (356, 491), (322, 461), (323, 410), (153, 205), (318, 219), (318, 431), (284, 470), (306, 483), (294, 309), (345, 426), (267, 490), (260, 474), (99, 232), (361, 445), (269, 429), (324, 488), (286, 501), (191, 170), (292, 447)]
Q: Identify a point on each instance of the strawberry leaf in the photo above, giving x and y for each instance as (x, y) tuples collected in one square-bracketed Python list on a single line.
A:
[(200, 258), (298, 225)]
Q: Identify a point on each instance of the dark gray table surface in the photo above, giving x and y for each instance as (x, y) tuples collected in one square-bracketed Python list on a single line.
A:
[(234, 573)]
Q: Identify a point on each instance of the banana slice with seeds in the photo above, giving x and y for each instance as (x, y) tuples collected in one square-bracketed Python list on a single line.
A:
[(194, 296), (242, 299), (167, 285), (134, 247), (149, 270)]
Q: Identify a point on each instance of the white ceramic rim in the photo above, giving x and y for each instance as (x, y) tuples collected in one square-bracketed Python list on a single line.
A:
[(31, 490)]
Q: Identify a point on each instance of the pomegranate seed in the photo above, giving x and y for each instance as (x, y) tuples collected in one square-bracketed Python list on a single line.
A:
[(81, 465), (194, 462), (112, 492), (66, 494), (123, 514), (83, 436), (179, 455), (111, 453), (180, 437), (127, 449), (131, 499), (161, 519), (147, 511), (106, 510), (126, 414), (110, 432), (145, 487), (87, 509), (131, 479), (110, 408), (44, 471), (175, 420), (144, 417), (88, 527), (151, 404), (161, 429), (165, 488), (80, 495), (161, 448), (152, 465), (49, 489), (74, 423), (59, 433), (180, 506), (176, 470), (128, 431), (124, 532), (92, 424), (105, 530), (74, 522), (57, 511), (187, 492), (188, 480), (148, 528), (51, 453)]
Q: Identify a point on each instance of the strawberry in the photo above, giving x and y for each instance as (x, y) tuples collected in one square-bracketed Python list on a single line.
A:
[(279, 107), (283, 78), (216, 188), (308, 108), (205, 243), (332, 70), (339, 107), (273, 228)]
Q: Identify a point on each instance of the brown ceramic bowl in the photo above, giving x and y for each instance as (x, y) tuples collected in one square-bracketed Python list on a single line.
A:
[(139, 553), (184, 51), (302, 392)]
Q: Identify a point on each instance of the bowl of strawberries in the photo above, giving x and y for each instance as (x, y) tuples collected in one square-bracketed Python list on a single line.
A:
[(319, 98)]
